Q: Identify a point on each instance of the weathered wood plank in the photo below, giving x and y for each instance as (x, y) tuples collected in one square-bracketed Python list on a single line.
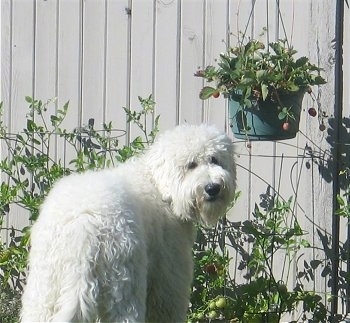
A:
[(93, 61), (20, 71), (215, 42), (191, 56), (117, 63), (45, 58), (167, 62), (69, 60), (19, 75)]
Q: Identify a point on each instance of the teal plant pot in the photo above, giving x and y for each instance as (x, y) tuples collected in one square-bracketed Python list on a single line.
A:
[(261, 122)]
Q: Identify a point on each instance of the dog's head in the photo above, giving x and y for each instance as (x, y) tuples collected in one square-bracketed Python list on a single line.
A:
[(194, 170)]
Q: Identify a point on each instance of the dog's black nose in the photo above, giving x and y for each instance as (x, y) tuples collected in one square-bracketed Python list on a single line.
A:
[(212, 189)]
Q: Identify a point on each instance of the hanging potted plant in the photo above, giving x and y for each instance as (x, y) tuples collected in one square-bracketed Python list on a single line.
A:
[(265, 88)]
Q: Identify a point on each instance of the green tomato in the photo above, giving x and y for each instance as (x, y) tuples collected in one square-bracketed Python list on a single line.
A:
[(200, 316), (221, 272), (221, 302), (212, 314), (212, 305)]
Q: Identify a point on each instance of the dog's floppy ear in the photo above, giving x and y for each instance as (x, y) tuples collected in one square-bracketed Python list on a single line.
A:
[(228, 159), (160, 173)]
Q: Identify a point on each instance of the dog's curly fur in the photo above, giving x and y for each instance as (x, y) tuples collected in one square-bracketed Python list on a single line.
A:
[(115, 245)]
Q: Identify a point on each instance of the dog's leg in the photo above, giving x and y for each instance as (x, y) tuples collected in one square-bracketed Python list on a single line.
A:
[(168, 294), (170, 274), (123, 295), (122, 270)]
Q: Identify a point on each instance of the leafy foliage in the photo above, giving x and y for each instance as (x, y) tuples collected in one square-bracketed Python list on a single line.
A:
[(249, 73), (252, 71), (264, 295)]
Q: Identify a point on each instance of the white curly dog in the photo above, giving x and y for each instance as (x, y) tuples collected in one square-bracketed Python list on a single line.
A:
[(116, 245)]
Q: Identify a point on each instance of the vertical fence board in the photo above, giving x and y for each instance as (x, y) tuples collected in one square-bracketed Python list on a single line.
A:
[(345, 126), (22, 60), (240, 19), (69, 60), (93, 68), (117, 61), (142, 61), (320, 51), (5, 90), (45, 74), (21, 79), (215, 42), (6, 52), (192, 27), (167, 62), (69, 68)]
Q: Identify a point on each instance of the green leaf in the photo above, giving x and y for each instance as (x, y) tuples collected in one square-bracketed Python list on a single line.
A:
[(264, 91), (297, 228), (301, 61), (305, 243), (283, 114), (319, 80), (29, 99), (247, 81), (207, 92), (277, 48), (340, 200), (260, 75), (31, 126), (248, 46), (247, 103), (20, 138), (36, 141), (293, 88), (54, 119)]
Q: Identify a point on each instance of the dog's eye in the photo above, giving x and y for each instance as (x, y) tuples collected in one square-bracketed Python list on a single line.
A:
[(192, 165), (213, 160)]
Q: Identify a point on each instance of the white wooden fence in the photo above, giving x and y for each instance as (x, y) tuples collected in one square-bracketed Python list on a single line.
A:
[(102, 54)]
